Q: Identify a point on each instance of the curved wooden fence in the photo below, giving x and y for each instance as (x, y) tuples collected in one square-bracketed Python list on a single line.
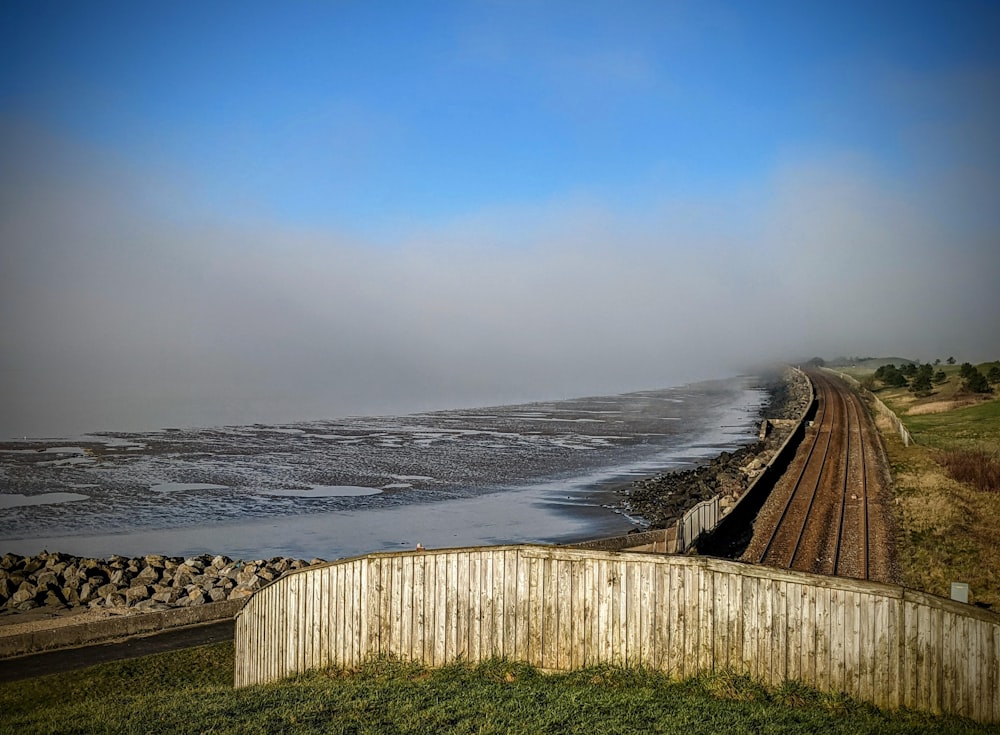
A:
[(561, 609)]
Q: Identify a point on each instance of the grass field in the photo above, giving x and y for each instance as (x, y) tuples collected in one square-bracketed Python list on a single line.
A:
[(191, 692), (949, 529)]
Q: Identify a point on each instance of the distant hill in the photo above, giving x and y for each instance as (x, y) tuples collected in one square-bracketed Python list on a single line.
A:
[(872, 363)]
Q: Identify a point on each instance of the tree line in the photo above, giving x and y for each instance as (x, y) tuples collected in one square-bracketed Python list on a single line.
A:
[(920, 379)]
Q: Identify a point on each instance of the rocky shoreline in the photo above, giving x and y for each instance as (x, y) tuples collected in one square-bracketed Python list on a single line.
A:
[(56, 582), (661, 500)]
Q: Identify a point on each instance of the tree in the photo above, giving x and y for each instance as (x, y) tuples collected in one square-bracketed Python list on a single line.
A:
[(921, 384), (909, 370), (975, 382), (816, 362), (951, 360), (993, 376), (940, 377), (890, 376), (937, 361), (966, 370)]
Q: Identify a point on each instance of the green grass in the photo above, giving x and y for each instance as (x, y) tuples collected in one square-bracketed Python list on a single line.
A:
[(191, 691), (967, 428)]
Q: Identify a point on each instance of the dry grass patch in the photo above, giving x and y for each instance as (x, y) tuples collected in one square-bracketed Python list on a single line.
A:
[(932, 407), (948, 528)]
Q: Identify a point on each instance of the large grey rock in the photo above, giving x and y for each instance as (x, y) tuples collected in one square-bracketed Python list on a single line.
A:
[(53, 598), (240, 591), (27, 588), (87, 592), (135, 593), (147, 576), (167, 597), (71, 595), (24, 594), (195, 596), (248, 575), (46, 578)]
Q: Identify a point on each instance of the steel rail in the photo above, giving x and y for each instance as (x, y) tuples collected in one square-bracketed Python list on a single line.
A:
[(844, 484), (819, 478)]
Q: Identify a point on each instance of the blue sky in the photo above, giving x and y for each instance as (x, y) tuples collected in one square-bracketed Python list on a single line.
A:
[(684, 160), (351, 113)]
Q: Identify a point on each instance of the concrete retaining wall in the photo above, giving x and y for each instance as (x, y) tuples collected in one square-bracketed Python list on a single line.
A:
[(124, 626)]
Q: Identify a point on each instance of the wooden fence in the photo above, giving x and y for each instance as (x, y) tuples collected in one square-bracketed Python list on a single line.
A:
[(700, 519), (561, 609)]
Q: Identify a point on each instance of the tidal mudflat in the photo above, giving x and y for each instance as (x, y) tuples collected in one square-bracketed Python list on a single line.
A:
[(540, 472)]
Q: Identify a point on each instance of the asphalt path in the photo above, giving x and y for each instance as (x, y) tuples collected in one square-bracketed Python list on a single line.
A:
[(68, 659)]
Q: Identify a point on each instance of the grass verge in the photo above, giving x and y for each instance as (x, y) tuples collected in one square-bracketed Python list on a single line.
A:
[(946, 487), (191, 691)]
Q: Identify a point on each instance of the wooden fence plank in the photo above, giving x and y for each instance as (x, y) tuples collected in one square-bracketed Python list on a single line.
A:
[(440, 644), (531, 592), (645, 612), (475, 592), (662, 604), (618, 593), (583, 613), (706, 617), (765, 631), (779, 632), (550, 614), (734, 655), (935, 662)]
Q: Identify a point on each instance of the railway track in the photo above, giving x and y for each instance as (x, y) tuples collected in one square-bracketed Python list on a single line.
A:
[(818, 516)]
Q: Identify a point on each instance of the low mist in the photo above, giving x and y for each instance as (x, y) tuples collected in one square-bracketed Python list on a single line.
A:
[(127, 307)]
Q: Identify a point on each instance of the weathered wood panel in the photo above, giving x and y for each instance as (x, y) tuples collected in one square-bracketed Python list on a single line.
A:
[(560, 609)]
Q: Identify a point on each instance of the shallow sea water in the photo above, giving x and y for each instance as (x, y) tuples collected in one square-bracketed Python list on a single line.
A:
[(539, 472)]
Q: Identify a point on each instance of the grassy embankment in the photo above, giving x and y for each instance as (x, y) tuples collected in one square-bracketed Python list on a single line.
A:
[(946, 489), (191, 691)]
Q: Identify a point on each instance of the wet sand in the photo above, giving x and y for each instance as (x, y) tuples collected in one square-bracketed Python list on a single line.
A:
[(537, 473), (546, 515)]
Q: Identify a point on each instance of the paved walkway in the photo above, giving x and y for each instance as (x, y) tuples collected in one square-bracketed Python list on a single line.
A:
[(68, 659)]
